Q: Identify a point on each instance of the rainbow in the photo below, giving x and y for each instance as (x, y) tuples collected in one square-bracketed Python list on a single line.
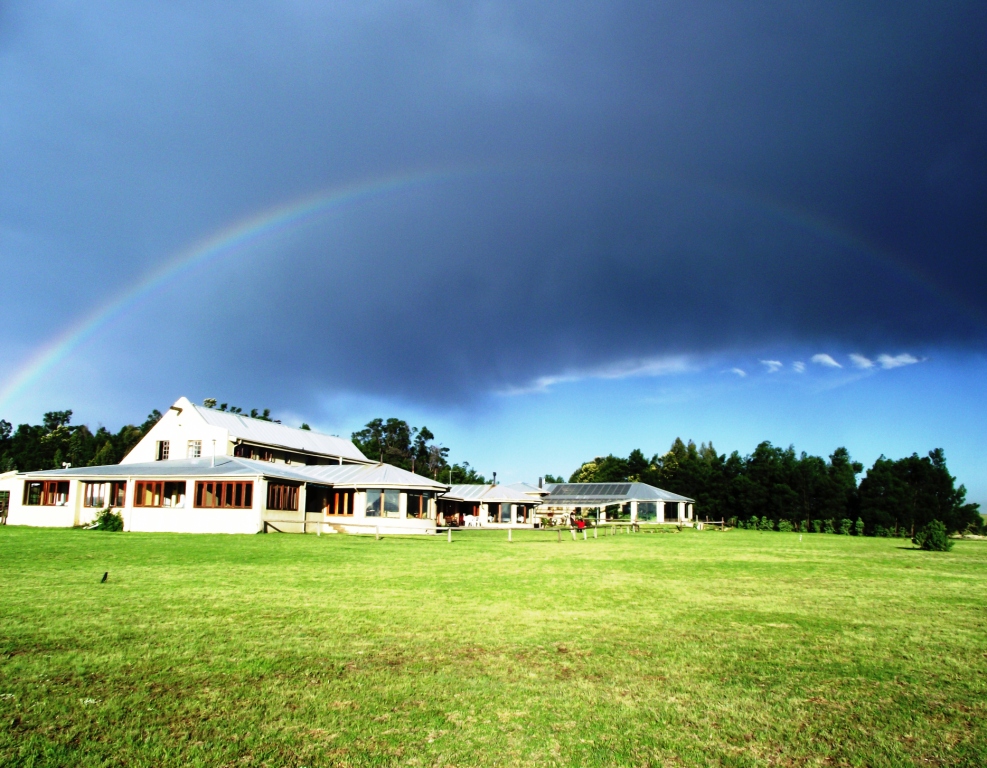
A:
[(240, 234), (285, 217)]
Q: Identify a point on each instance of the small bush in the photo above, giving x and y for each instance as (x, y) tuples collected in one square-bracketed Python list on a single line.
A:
[(817, 526), (880, 530), (858, 527), (108, 520), (933, 538), (845, 526), (767, 524), (754, 523), (828, 526), (784, 526)]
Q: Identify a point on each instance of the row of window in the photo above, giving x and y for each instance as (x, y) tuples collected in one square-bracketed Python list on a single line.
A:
[(193, 450), (147, 493), (222, 494)]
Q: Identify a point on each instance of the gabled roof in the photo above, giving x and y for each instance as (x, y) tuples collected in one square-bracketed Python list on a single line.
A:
[(343, 475), (600, 494), (270, 433), (489, 494), (363, 476)]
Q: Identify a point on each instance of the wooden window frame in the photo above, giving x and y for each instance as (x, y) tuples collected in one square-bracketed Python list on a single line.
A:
[(89, 499), (118, 493), (223, 494), (162, 450), (157, 493), (49, 493), (341, 503), (282, 497), (193, 444)]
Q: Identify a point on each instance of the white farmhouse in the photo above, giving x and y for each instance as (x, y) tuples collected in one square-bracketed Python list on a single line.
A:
[(232, 474)]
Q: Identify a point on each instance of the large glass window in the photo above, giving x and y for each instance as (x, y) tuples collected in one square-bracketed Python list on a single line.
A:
[(391, 499), (373, 502), (418, 505), (194, 450), (383, 503), (229, 495), (647, 510), (505, 513)]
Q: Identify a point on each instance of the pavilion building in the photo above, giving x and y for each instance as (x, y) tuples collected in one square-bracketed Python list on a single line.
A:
[(609, 502)]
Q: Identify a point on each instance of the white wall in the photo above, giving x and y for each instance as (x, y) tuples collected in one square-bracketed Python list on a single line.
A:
[(178, 428), (191, 520)]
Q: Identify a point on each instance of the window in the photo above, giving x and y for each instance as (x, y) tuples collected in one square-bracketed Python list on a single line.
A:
[(418, 505), (194, 450), (328, 501), (282, 496), (224, 494), (149, 493), (94, 494), (162, 452), (46, 493), (252, 452), (342, 503), (4, 505), (383, 503), (647, 510), (505, 513), (118, 493)]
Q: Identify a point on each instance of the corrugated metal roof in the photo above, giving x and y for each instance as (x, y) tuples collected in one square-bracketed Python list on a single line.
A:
[(225, 465), (373, 476), (269, 433), (527, 488), (344, 475), (599, 494), (489, 494)]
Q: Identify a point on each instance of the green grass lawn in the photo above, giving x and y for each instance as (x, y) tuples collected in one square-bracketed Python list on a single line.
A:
[(689, 648)]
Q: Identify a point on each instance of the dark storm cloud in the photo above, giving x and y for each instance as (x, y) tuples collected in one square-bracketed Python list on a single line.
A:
[(647, 179)]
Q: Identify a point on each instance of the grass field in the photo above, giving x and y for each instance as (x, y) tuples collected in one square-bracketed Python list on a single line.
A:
[(689, 648)]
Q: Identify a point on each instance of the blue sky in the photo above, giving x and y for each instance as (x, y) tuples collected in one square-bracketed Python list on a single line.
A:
[(548, 232)]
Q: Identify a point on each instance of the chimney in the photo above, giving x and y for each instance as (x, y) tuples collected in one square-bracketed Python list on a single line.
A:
[(495, 478), (541, 482)]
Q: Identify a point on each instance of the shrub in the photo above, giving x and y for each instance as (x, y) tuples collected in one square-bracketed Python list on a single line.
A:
[(752, 524), (767, 524), (858, 527), (933, 538), (784, 526), (845, 526), (828, 526), (817, 526), (108, 520), (879, 530)]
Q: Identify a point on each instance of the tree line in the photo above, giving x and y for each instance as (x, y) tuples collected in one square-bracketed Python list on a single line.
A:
[(56, 442), (767, 488), (776, 485), (394, 442)]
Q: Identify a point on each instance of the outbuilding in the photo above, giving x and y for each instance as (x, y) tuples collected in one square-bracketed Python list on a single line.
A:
[(630, 502)]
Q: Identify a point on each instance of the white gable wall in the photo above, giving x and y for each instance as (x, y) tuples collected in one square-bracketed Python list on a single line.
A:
[(178, 429)]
